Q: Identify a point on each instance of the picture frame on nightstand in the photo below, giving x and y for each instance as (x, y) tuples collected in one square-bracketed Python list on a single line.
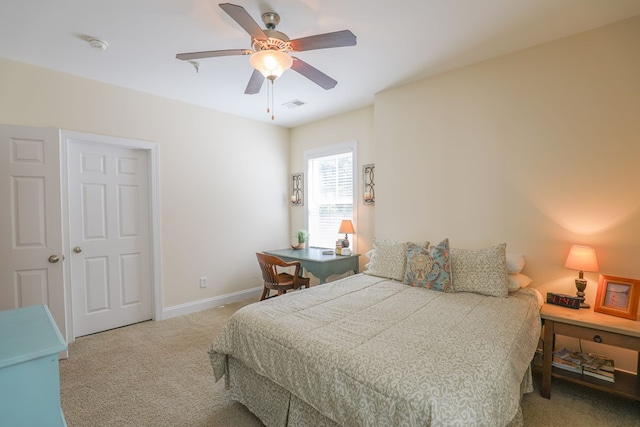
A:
[(618, 296)]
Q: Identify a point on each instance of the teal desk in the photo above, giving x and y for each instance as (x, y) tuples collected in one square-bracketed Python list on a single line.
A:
[(29, 374), (321, 266)]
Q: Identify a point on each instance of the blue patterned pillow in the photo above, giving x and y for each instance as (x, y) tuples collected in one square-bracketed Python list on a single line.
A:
[(429, 268)]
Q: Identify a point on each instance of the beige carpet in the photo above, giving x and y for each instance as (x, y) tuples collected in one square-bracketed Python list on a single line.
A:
[(158, 374)]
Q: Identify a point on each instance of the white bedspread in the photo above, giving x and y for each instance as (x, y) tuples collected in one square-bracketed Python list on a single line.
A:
[(368, 351)]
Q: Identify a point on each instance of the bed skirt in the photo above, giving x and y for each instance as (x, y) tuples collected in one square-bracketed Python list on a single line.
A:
[(277, 407)]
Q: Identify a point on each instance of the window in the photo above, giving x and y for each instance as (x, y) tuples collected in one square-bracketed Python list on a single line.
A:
[(330, 191)]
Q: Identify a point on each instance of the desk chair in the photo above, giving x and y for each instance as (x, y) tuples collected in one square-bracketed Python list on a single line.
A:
[(280, 282)]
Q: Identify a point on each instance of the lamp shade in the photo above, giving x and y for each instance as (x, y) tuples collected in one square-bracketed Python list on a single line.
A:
[(346, 227), (582, 258), (270, 63)]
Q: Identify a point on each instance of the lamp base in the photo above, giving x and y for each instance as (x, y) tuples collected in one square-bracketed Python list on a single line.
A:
[(581, 284), (345, 243)]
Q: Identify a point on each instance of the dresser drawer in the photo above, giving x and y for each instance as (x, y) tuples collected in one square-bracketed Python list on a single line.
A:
[(599, 336)]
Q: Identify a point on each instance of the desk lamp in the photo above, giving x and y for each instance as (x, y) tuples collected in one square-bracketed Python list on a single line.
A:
[(582, 258), (346, 227)]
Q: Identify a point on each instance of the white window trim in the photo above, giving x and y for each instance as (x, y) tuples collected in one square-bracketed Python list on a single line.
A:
[(330, 150)]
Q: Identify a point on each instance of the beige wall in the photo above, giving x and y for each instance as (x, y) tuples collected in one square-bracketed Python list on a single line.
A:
[(539, 149), (353, 126), (222, 178)]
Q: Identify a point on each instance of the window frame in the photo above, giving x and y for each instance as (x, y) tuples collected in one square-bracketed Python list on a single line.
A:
[(332, 150)]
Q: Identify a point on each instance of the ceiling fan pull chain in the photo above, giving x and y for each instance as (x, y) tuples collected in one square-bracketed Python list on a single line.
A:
[(268, 101), (272, 96)]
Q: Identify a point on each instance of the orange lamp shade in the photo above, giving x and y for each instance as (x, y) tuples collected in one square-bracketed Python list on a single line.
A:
[(582, 258), (346, 227)]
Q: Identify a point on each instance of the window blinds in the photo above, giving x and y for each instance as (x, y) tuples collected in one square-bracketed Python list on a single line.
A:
[(330, 198)]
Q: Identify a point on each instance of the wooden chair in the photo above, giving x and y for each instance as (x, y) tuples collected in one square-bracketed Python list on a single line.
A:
[(280, 282)]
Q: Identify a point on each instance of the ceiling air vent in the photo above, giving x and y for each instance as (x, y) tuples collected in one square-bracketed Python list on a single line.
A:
[(294, 104)]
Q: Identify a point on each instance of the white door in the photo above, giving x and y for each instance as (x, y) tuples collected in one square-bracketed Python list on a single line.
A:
[(109, 235), (31, 258)]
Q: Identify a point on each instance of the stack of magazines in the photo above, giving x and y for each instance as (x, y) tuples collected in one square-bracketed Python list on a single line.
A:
[(591, 364)]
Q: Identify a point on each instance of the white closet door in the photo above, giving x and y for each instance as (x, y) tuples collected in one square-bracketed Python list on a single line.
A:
[(109, 233), (31, 258)]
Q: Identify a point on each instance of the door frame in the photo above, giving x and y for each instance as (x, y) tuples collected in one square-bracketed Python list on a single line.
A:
[(152, 150)]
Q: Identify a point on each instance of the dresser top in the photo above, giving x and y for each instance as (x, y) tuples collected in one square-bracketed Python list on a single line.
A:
[(28, 333)]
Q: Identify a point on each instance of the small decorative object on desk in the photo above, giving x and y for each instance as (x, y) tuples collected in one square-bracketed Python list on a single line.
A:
[(563, 300), (303, 237)]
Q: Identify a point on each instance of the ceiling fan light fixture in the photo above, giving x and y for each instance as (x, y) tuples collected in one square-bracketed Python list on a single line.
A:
[(271, 63)]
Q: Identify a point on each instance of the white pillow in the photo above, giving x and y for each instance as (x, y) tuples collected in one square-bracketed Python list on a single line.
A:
[(518, 280), (515, 263), (369, 254)]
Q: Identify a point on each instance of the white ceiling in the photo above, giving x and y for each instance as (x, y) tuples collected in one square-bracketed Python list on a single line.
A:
[(397, 42)]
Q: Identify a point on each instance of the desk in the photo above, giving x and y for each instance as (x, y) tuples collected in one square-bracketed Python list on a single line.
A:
[(321, 266)]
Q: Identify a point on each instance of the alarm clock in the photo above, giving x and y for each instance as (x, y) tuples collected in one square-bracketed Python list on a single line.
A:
[(563, 300)]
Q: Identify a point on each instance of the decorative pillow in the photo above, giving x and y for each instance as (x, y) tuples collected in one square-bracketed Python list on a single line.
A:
[(389, 259), (482, 271), (429, 268), (517, 281), (515, 263)]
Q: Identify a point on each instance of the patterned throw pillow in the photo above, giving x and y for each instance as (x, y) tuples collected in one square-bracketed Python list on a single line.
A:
[(389, 259), (482, 271), (429, 268)]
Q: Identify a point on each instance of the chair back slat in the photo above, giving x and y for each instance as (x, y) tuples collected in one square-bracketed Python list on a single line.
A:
[(268, 267), (281, 282)]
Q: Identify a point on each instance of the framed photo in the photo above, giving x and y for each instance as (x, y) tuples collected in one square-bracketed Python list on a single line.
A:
[(618, 297)]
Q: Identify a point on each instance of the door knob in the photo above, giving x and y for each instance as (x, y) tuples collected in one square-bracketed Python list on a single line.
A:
[(77, 249), (54, 258)]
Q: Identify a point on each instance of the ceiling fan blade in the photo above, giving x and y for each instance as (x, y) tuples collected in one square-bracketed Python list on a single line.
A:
[(212, 53), (323, 41), (313, 74), (242, 17), (255, 83)]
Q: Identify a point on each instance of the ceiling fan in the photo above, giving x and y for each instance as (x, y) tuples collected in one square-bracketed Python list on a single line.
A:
[(270, 49)]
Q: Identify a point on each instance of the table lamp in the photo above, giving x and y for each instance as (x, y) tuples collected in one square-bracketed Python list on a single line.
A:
[(346, 227), (582, 258)]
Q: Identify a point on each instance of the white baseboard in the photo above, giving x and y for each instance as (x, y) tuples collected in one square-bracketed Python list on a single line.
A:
[(194, 307)]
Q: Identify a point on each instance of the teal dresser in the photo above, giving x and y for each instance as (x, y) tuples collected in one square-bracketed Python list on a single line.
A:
[(29, 375)]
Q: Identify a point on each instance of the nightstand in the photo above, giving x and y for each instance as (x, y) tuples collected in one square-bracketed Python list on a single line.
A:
[(587, 325)]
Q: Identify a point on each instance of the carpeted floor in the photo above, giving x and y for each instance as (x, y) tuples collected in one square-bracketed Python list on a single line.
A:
[(158, 374)]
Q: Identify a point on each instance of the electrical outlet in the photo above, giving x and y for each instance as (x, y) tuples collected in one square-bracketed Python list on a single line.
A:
[(203, 282)]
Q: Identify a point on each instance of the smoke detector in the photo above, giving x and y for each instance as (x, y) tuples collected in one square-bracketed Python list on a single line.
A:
[(97, 43)]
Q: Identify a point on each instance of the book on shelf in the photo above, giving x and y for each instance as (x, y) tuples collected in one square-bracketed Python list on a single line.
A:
[(591, 361), (591, 364)]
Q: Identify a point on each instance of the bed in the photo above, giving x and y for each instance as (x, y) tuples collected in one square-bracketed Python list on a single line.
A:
[(371, 351)]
